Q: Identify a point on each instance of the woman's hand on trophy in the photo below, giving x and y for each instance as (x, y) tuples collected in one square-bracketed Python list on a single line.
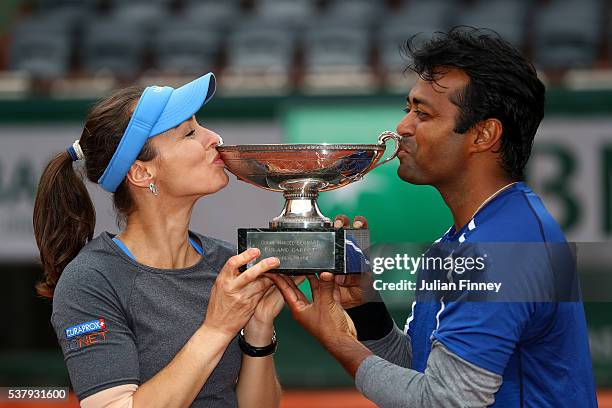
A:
[(271, 303), (324, 317), (259, 328), (235, 295)]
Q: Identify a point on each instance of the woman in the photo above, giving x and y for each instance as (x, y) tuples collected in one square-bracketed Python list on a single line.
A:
[(152, 317)]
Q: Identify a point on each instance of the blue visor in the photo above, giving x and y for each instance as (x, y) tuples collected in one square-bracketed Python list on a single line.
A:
[(158, 110)]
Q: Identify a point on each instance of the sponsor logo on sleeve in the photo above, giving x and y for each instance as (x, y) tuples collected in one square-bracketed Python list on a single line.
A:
[(84, 328), (84, 335)]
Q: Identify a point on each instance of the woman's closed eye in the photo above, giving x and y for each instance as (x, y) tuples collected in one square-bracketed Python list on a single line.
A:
[(191, 133)]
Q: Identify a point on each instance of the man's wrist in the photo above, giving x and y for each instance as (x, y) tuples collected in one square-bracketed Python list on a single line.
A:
[(372, 320), (349, 352)]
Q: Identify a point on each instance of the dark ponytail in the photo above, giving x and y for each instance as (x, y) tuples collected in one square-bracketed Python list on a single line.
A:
[(64, 216), (64, 219)]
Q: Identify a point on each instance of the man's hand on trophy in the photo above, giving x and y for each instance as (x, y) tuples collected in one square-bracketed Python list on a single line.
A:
[(349, 289), (342, 221), (324, 317)]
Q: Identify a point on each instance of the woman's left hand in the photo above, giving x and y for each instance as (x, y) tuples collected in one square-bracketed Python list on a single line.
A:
[(260, 327)]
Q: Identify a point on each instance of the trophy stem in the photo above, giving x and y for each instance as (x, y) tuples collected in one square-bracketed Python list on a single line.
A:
[(301, 212)]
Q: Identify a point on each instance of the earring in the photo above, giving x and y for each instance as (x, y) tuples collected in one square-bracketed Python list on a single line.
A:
[(153, 189)]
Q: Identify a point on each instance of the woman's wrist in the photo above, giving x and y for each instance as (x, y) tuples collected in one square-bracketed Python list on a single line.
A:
[(209, 331), (258, 334)]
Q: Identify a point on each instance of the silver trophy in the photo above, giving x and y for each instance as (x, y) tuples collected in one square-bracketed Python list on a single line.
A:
[(301, 236)]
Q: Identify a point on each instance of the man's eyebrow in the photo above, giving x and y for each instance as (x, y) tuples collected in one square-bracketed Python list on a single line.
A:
[(418, 101)]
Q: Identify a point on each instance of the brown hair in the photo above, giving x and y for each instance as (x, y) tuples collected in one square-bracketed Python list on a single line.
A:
[(64, 216)]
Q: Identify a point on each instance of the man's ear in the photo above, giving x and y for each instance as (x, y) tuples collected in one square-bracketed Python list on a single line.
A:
[(141, 174), (487, 136)]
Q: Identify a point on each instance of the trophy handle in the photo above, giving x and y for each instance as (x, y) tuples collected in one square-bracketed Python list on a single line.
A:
[(382, 141)]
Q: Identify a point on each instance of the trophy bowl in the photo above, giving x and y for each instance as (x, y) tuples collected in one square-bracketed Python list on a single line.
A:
[(300, 172), (277, 167)]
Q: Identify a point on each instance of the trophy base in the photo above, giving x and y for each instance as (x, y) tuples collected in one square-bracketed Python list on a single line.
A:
[(303, 251)]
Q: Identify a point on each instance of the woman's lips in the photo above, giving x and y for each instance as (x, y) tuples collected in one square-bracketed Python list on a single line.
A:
[(218, 160)]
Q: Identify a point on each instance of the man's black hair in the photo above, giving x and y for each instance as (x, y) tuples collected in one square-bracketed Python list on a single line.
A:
[(502, 85)]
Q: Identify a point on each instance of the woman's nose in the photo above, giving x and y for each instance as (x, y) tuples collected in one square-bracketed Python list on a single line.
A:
[(212, 139)]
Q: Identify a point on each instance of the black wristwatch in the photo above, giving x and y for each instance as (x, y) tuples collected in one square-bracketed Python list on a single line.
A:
[(253, 351)]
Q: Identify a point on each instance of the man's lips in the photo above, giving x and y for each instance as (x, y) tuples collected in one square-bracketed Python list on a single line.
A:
[(403, 149), (405, 146)]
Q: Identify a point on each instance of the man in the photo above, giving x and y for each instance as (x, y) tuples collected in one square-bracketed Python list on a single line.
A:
[(468, 130)]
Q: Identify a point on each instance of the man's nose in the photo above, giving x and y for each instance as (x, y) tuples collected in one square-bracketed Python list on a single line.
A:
[(406, 126)]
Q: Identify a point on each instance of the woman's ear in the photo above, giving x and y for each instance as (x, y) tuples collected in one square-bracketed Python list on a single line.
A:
[(141, 173), (487, 136)]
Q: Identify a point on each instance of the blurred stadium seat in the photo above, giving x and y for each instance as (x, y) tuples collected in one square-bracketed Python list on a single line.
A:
[(418, 19), (72, 5), (337, 58), (434, 13), (260, 58), (362, 13), (413, 20), (232, 3), (294, 13), (41, 46), (568, 33), (507, 17), (211, 15), (144, 15), (181, 36), (181, 47), (336, 46), (113, 47), (42, 56), (262, 48), (395, 33)]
